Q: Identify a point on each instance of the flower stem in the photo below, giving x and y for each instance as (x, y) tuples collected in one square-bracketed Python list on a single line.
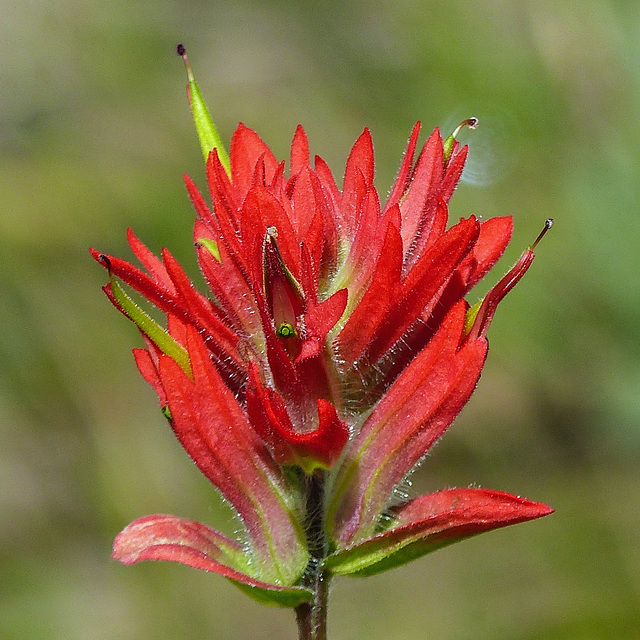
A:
[(312, 616)]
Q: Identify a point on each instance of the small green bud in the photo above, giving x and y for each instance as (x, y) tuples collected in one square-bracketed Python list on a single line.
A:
[(166, 412), (285, 330), (211, 246), (470, 317)]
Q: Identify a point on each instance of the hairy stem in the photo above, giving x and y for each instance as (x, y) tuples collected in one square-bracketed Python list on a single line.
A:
[(312, 616)]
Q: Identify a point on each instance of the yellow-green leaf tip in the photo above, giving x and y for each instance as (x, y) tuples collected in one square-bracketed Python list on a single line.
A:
[(206, 129)]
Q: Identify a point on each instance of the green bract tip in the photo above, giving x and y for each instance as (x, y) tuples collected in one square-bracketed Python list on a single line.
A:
[(159, 336), (472, 123), (211, 246), (205, 127)]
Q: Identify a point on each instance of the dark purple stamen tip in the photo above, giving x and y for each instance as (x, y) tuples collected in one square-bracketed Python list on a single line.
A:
[(547, 225)]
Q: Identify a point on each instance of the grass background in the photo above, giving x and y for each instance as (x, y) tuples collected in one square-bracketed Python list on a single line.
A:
[(95, 134)]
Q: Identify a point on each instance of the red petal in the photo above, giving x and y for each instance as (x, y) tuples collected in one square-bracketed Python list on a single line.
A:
[(260, 211), (284, 373), (360, 161), (222, 341), (214, 430), (366, 245), (163, 537), (423, 284), (404, 174), (246, 149), (149, 261), (492, 240), (328, 182), (431, 522), (149, 372), (358, 177), (453, 174), (497, 293), (416, 410), (307, 202), (494, 237), (278, 183), (227, 212), (325, 444), (203, 211), (460, 507), (370, 311), (268, 415), (228, 285), (329, 187), (425, 184), (323, 317), (436, 217), (313, 244), (299, 151), (161, 297), (318, 448)]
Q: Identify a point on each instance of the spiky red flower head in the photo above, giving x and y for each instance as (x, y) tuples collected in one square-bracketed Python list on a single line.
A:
[(335, 340)]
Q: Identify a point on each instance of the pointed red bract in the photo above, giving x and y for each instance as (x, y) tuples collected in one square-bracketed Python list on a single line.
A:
[(372, 309), (162, 537), (317, 448), (247, 148), (431, 522), (413, 414), (422, 285), (335, 346), (215, 431)]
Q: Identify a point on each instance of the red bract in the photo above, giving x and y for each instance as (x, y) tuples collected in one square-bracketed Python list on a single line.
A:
[(334, 348)]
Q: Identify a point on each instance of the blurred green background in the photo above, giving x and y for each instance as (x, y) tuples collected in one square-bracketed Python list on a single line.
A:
[(95, 133)]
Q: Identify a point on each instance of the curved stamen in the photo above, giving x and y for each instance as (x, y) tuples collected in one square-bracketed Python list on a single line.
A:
[(480, 316)]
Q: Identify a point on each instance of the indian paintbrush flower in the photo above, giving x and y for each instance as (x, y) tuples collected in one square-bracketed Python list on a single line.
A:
[(335, 346)]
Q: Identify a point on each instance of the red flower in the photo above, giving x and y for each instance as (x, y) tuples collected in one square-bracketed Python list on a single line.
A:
[(334, 348)]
